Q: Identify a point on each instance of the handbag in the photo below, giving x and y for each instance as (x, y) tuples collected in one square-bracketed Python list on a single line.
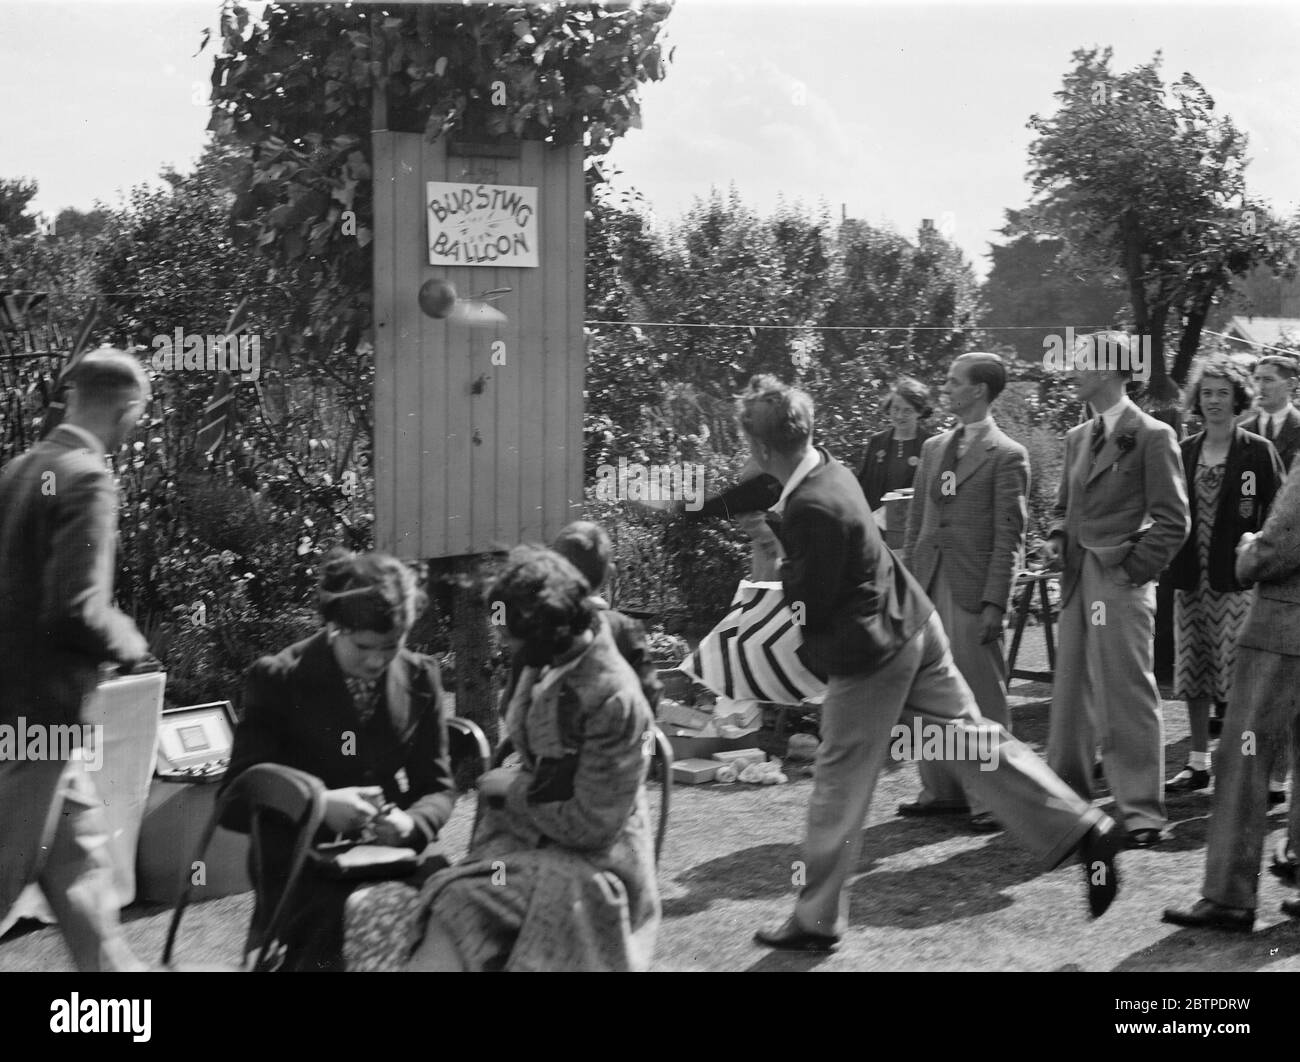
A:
[(756, 652), (361, 861)]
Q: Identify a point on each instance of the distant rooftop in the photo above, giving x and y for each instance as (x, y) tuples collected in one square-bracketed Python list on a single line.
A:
[(1264, 331)]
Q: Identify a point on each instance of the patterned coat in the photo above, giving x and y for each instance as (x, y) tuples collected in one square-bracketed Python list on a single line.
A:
[(562, 876)]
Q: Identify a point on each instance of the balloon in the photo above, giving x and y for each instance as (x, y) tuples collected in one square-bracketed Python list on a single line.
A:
[(437, 297)]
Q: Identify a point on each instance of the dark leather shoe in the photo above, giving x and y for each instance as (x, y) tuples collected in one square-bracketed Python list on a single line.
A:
[(1205, 914), (919, 809), (1097, 852), (791, 938), (1144, 838), (984, 822), (1284, 864), (1291, 907), (1188, 780)]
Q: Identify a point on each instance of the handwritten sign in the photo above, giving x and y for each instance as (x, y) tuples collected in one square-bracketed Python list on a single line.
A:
[(482, 224)]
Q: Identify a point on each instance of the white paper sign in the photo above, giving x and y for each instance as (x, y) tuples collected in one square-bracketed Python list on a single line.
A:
[(482, 224)]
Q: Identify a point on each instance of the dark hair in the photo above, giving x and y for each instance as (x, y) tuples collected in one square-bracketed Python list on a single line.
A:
[(108, 376), (776, 414), (1220, 367), (986, 369), (1286, 367), (545, 599), (586, 546), (369, 592), (1106, 352), (914, 392)]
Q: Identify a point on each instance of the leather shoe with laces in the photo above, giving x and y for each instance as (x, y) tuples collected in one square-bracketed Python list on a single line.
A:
[(791, 937), (1097, 852), (1206, 914)]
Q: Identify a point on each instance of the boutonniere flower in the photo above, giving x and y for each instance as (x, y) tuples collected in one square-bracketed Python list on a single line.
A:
[(1126, 442), (880, 456)]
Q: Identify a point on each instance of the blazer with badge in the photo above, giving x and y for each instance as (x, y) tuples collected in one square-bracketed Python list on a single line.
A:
[(58, 543), (1243, 505), (973, 520), (1129, 506), (298, 712), (860, 603), (1287, 442), (871, 477)]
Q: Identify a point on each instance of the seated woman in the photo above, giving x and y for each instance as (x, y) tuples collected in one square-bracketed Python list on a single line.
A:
[(560, 874), (352, 706)]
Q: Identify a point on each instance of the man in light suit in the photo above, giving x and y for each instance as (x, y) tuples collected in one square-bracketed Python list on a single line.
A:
[(1261, 727), (58, 537), (871, 629), (1121, 517), (965, 529), (1274, 417)]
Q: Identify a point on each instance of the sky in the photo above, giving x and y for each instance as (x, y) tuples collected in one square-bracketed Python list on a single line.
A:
[(891, 113)]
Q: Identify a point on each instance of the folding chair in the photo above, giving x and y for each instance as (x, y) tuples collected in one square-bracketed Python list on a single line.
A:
[(662, 758), (293, 795)]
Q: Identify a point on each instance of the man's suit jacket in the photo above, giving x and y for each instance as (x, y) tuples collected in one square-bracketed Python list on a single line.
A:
[(1272, 561), (58, 553), (298, 712), (1129, 506), (860, 604), (1251, 477), (1287, 442), (974, 520)]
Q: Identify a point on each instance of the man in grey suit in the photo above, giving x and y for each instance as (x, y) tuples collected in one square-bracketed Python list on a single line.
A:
[(58, 537), (965, 529), (1261, 726), (1121, 516)]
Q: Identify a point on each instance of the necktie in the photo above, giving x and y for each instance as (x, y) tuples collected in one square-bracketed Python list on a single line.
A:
[(1269, 433), (1098, 437), (953, 453)]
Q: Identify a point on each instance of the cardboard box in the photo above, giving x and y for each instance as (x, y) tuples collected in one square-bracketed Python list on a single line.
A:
[(687, 746), (695, 772), (677, 715), (741, 758)]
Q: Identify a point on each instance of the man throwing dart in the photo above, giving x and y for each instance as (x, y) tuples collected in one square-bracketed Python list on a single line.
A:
[(870, 628)]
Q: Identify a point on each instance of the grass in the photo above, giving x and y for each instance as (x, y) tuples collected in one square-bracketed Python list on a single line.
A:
[(929, 895)]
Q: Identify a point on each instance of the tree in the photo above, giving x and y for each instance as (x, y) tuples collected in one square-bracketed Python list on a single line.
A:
[(1147, 181), (1030, 295), (15, 194), (298, 88)]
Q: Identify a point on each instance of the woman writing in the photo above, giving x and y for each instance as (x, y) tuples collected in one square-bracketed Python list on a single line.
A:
[(352, 706)]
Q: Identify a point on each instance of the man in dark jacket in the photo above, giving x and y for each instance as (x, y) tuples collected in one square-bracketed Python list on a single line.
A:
[(870, 628), (58, 536)]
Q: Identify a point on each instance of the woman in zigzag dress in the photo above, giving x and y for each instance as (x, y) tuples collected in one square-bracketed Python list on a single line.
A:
[(1232, 476)]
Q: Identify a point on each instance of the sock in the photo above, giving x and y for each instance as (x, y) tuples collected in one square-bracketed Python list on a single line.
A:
[(1198, 761)]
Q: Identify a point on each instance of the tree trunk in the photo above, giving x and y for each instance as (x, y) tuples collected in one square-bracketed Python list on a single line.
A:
[(1190, 341), (471, 641)]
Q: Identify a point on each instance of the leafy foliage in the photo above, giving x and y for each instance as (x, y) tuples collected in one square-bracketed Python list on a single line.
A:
[(1145, 180)]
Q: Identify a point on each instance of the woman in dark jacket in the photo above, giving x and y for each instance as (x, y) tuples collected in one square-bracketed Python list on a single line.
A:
[(893, 454), (1232, 477), (352, 706)]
